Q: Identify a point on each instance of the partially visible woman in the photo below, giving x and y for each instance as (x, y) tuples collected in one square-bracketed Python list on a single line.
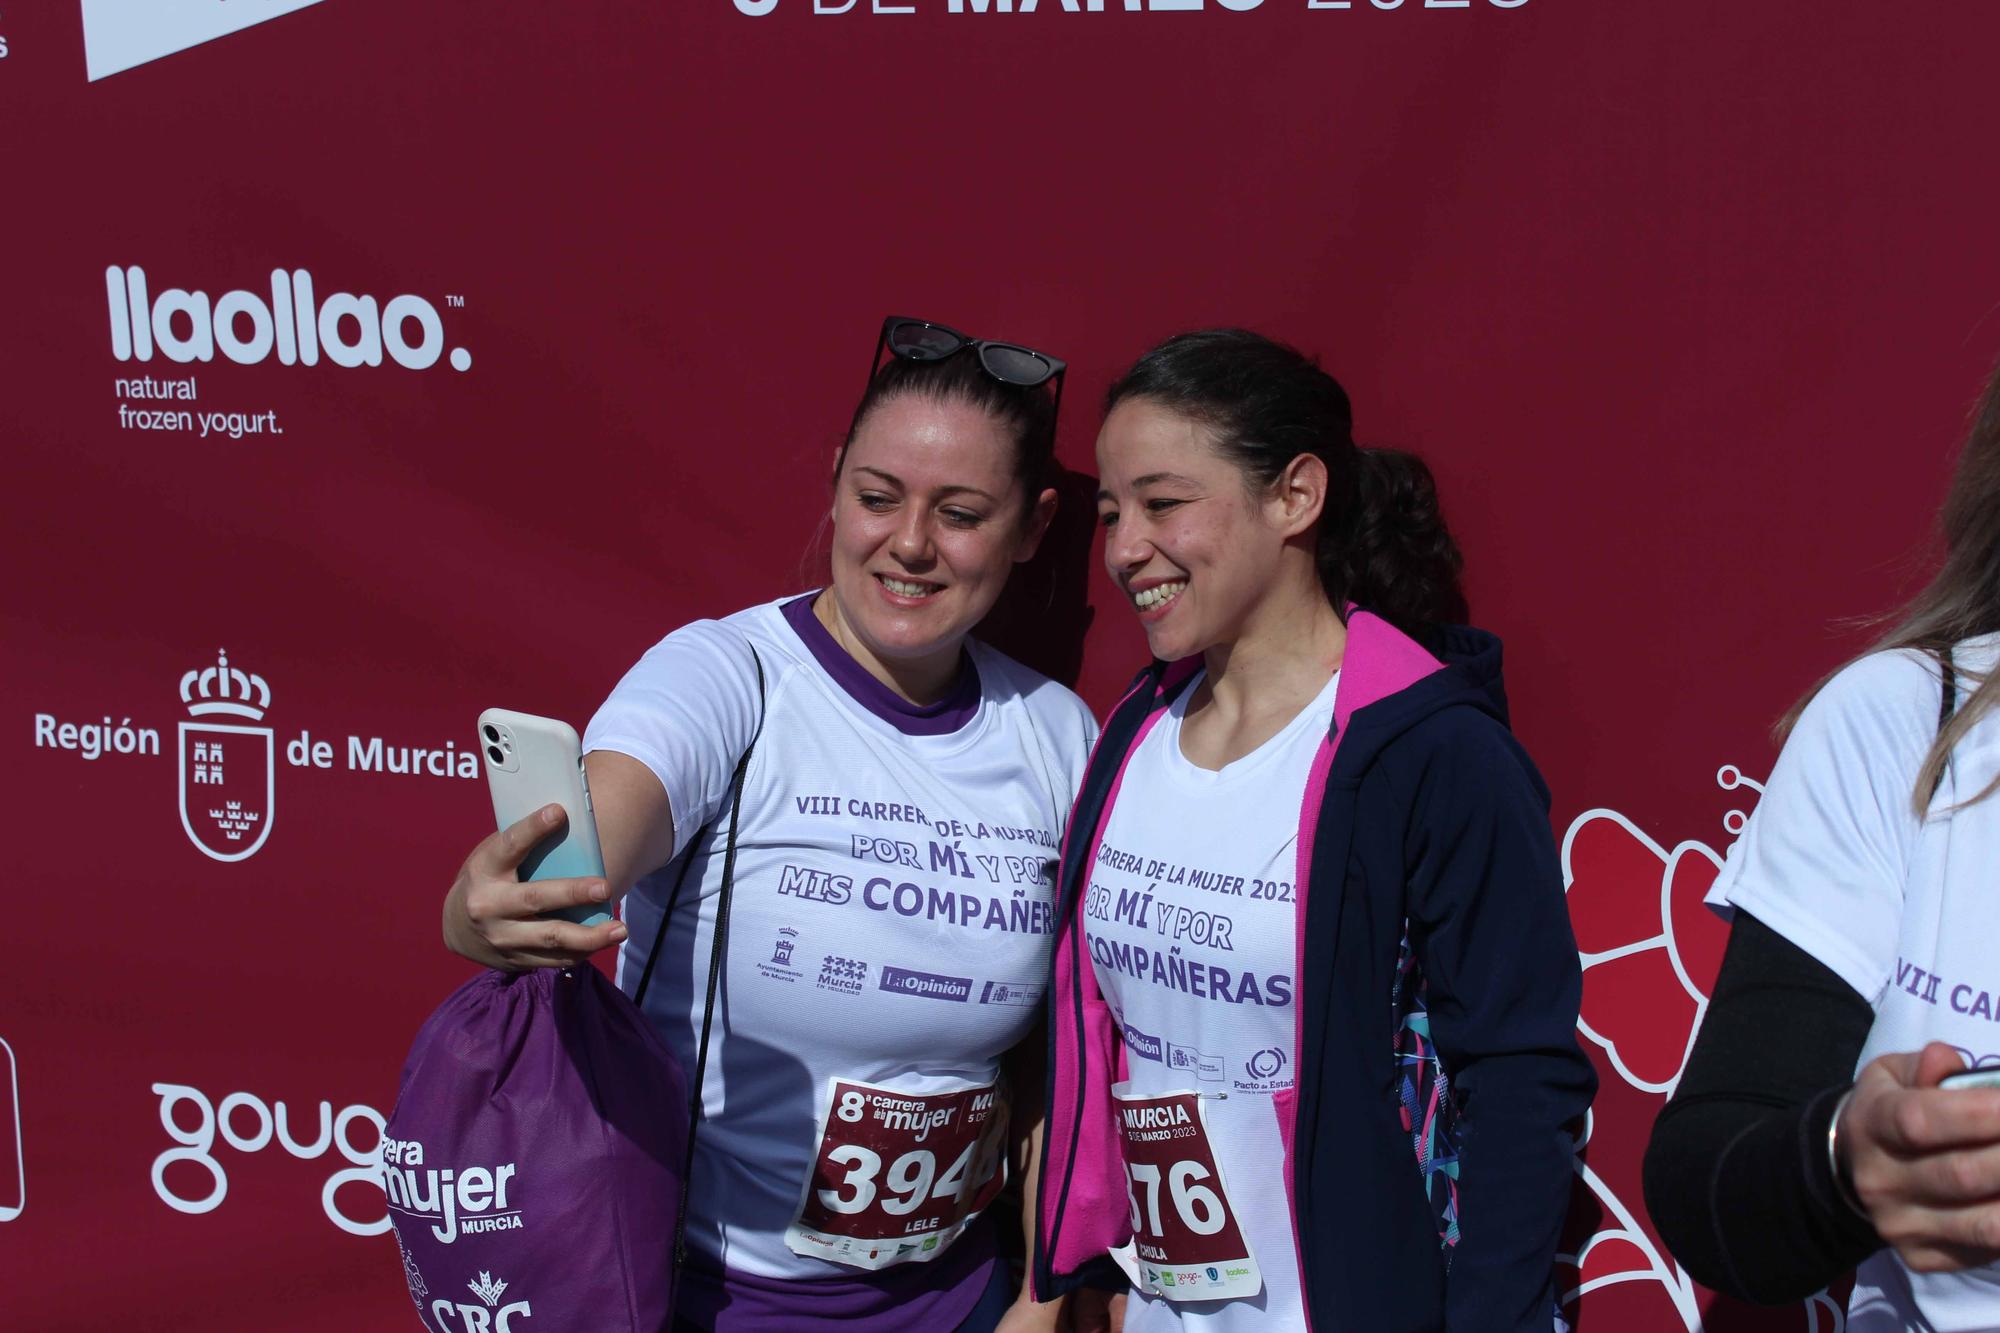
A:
[(1866, 901), (1314, 1053), (891, 912)]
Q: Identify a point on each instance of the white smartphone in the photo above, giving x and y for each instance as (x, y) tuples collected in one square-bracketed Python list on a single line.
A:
[(1971, 1078), (536, 761)]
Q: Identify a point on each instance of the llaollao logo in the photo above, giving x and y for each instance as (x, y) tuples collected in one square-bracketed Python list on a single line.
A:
[(288, 317)]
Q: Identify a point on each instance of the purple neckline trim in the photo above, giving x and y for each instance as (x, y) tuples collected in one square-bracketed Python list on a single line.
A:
[(939, 719)]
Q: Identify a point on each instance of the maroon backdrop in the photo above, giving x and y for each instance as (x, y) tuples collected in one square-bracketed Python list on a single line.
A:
[(1685, 300)]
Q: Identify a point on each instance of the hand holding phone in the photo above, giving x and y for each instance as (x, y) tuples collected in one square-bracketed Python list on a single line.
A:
[(1919, 1138), (512, 904), (536, 761)]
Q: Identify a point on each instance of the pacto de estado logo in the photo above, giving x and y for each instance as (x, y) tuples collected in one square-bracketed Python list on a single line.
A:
[(292, 320), (1266, 1064)]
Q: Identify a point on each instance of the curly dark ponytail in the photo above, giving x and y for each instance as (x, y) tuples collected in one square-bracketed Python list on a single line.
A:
[(1396, 557), (1383, 543)]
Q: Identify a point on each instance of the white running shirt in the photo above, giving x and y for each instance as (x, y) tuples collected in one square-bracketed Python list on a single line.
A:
[(892, 912), (1191, 924), (1906, 911)]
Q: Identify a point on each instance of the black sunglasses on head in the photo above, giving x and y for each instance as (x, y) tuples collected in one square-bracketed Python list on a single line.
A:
[(1010, 363)]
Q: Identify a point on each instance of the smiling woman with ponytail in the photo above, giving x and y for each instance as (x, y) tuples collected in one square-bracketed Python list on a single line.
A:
[(1313, 1050)]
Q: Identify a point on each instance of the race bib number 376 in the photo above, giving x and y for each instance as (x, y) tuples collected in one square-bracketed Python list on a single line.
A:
[(898, 1175), (1186, 1243)]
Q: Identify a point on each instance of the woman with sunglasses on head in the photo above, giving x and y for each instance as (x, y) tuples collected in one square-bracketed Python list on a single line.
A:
[(1313, 1058), (890, 907), (1818, 1128)]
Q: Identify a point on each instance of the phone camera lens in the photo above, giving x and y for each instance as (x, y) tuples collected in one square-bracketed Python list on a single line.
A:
[(493, 753), (492, 733)]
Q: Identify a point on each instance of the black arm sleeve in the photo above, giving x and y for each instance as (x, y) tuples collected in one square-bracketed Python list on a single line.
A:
[(1736, 1174)]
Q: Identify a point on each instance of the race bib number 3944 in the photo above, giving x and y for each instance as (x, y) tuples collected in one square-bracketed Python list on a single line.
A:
[(898, 1175), (1186, 1244)]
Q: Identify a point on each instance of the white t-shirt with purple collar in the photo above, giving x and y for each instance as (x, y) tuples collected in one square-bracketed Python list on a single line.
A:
[(890, 923), (1190, 919)]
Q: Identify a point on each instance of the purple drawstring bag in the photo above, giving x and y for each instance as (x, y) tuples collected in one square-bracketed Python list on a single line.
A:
[(537, 1158), (534, 1159)]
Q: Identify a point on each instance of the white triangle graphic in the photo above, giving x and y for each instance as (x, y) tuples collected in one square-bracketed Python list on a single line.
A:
[(118, 34)]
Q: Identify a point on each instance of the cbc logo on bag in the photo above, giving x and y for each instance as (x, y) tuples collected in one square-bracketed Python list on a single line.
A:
[(490, 1316), (456, 1316)]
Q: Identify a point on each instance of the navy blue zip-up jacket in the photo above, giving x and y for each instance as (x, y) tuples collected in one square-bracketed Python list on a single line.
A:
[(1422, 815)]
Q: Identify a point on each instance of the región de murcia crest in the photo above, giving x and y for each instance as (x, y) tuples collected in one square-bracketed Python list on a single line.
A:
[(227, 763)]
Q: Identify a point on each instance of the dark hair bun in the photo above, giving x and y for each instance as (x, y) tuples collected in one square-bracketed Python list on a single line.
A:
[(1396, 554)]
